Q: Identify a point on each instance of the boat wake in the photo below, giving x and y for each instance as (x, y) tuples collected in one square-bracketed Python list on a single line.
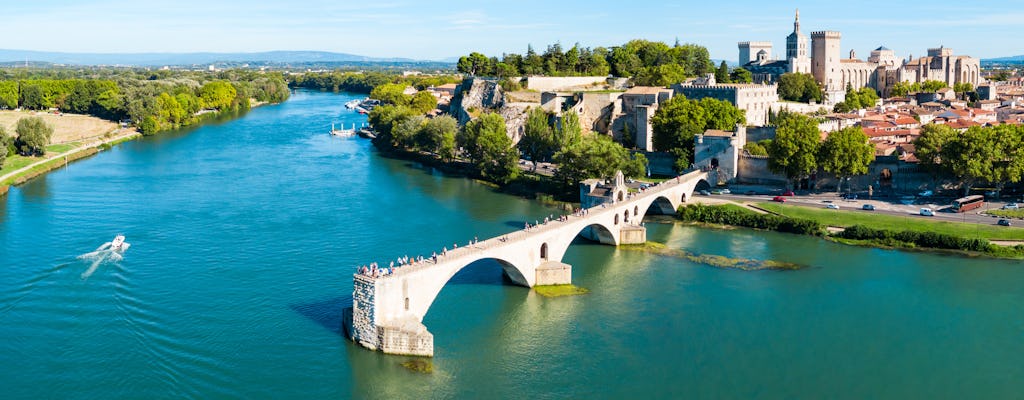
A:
[(108, 253)]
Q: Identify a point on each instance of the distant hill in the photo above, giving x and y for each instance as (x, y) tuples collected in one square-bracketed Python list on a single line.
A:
[(160, 59), (1019, 58)]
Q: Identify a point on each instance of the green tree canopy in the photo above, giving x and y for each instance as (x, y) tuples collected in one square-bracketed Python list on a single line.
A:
[(423, 102), (597, 156), (5, 142), (795, 147), (676, 123), (217, 94), (741, 75), (569, 131), (391, 93), (33, 136), (800, 87), (846, 153), (722, 73), (490, 149), (538, 141), (432, 136)]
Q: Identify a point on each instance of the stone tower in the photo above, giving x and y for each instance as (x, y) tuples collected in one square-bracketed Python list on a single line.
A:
[(796, 49), (749, 50), (825, 60)]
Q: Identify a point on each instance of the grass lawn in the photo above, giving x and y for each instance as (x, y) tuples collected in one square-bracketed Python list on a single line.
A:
[(908, 223), (1007, 213), (17, 162)]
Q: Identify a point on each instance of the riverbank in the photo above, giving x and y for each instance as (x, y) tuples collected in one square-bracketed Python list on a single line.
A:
[(867, 232), (51, 162)]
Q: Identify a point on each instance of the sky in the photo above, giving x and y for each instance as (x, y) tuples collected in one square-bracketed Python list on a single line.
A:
[(442, 29)]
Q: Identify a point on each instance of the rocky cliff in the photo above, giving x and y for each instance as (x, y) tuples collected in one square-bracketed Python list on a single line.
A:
[(475, 96)]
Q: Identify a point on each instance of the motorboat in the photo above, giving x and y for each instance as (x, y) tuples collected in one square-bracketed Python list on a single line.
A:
[(118, 244), (352, 104)]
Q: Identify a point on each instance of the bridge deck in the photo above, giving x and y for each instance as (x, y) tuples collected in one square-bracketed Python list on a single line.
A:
[(457, 254)]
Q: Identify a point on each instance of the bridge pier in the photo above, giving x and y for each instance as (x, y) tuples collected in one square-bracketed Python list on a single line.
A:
[(633, 234), (553, 273)]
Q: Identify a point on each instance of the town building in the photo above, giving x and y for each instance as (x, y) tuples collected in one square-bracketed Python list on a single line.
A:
[(756, 100), (881, 71)]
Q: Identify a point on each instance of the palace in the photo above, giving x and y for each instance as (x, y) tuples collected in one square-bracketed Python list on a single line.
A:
[(880, 71)]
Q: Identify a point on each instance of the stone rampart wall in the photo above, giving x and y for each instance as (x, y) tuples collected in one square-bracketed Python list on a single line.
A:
[(563, 83)]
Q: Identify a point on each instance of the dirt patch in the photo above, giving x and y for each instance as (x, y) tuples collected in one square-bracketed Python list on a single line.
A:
[(66, 127)]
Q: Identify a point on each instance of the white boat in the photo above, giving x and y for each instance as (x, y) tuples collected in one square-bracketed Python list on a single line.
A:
[(118, 244), (352, 104)]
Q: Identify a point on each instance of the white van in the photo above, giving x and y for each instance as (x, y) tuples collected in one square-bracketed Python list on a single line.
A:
[(927, 212)]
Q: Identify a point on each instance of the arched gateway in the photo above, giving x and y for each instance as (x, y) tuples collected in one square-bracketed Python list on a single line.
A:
[(388, 310)]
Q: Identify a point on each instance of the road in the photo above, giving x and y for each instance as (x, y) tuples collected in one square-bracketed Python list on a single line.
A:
[(881, 207)]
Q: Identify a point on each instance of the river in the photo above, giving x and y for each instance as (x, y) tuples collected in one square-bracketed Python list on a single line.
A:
[(245, 234)]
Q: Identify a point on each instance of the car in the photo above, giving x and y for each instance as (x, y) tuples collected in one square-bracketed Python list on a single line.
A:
[(788, 193), (726, 191), (832, 206), (1004, 222), (850, 196), (716, 191), (779, 199), (927, 212), (751, 193), (925, 193), (868, 207), (704, 193), (1011, 206)]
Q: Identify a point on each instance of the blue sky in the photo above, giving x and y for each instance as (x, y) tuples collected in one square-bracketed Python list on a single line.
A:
[(441, 29)]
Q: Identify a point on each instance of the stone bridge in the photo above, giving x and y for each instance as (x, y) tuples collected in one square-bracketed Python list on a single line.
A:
[(388, 311)]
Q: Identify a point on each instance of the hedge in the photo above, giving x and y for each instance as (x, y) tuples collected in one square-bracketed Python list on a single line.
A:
[(731, 215), (921, 239)]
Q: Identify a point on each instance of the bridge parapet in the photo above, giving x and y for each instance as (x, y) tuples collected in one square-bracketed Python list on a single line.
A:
[(388, 308)]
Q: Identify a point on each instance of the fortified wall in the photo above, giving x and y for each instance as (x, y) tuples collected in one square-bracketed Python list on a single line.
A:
[(564, 83)]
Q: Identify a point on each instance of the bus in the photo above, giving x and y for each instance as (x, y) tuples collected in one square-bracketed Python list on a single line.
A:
[(968, 203)]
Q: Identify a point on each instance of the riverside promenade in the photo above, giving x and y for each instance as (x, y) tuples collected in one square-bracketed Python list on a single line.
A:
[(388, 308)]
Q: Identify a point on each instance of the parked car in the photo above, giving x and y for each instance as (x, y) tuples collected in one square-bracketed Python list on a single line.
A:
[(716, 191), (868, 207), (850, 196), (788, 193), (1011, 206), (927, 212), (726, 191), (705, 193), (1004, 222), (832, 206), (779, 199), (925, 193)]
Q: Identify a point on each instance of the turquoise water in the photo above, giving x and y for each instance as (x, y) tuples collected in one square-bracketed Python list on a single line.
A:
[(245, 234)]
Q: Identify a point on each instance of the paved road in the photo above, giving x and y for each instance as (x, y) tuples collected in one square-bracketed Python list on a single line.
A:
[(881, 207)]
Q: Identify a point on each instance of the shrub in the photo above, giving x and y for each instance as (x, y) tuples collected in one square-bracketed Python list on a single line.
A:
[(931, 240), (731, 215)]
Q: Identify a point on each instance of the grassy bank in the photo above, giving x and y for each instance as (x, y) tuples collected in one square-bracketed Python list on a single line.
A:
[(1007, 213), (47, 167), (862, 230), (914, 223)]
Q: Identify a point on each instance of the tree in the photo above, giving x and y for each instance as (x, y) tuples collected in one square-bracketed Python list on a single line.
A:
[(423, 102), (569, 131), (538, 142), (8, 95), (432, 136), (5, 141), (217, 94), (473, 64), (391, 93), (846, 153), (900, 89), (800, 87), (722, 73), (755, 149), (970, 156), (383, 119), (741, 75), (33, 136), (675, 124), (794, 149), (597, 156), (963, 88), (405, 131), (722, 115), (932, 86), (490, 148), (32, 97), (928, 147)]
